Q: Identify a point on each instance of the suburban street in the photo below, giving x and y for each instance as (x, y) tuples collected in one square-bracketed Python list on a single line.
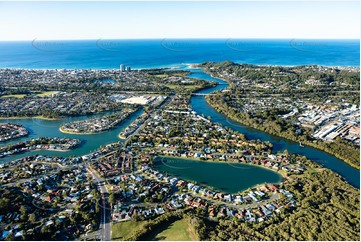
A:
[(151, 116)]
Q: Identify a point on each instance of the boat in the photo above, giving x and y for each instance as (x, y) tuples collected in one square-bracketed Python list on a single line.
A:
[(301, 144)]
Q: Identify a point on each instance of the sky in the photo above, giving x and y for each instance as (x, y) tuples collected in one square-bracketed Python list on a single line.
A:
[(145, 20)]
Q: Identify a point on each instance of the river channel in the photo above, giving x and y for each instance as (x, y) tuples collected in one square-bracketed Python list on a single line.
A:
[(50, 128), (199, 104)]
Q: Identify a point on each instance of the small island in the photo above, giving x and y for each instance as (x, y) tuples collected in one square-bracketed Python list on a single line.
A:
[(9, 131), (96, 125)]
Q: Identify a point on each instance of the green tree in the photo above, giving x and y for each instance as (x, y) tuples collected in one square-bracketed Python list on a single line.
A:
[(111, 198), (32, 217), (23, 210)]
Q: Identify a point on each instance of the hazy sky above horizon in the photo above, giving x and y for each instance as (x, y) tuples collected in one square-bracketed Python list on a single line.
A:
[(128, 20)]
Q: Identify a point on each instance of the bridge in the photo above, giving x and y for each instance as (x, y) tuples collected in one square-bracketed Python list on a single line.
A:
[(202, 94)]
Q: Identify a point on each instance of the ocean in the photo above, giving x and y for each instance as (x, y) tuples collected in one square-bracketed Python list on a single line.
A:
[(156, 53)]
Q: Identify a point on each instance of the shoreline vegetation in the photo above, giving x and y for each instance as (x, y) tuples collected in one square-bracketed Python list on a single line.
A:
[(320, 145), (76, 133), (33, 117), (323, 205), (134, 126), (311, 199), (58, 117), (327, 209)]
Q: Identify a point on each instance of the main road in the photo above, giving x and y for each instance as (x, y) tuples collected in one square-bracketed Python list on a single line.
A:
[(105, 220)]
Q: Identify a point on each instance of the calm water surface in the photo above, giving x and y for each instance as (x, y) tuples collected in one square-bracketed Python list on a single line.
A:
[(200, 105), (225, 177), (50, 128)]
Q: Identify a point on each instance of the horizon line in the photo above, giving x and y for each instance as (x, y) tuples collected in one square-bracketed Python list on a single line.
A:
[(186, 64), (182, 38)]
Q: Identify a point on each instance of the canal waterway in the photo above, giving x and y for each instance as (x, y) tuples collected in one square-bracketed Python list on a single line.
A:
[(50, 128), (239, 177), (199, 104)]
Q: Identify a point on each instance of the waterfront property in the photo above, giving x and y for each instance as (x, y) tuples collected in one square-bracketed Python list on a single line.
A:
[(9, 131), (202, 107), (172, 193), (97, 125), (41, 143), (138, 188)]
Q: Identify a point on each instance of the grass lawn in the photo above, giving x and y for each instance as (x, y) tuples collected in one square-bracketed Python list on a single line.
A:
[(314, 170), (176, 231), (14, 96), (122, 229), (46, 93), (190, 87), (282, 172), (161, 75)]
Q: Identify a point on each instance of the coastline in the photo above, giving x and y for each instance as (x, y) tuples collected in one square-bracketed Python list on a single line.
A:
[(29, 151), (121, 136), (34, 117), (176, 66), (54, 150), (76, 133)]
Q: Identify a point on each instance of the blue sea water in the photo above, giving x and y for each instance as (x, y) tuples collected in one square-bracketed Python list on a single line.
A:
[(108, 54)]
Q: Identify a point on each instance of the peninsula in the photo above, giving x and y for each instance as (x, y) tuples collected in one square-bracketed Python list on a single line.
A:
[(9, 131), (97, 125)]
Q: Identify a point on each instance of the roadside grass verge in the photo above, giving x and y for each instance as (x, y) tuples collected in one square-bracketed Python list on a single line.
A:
[(180, 230), (121, 230)]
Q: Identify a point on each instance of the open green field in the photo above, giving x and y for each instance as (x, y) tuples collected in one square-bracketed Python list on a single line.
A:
[(314, 170), (180, 230), (123, 229), (42, 94), (161, 75), (189, 87), (46, 93), (14, 96)]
